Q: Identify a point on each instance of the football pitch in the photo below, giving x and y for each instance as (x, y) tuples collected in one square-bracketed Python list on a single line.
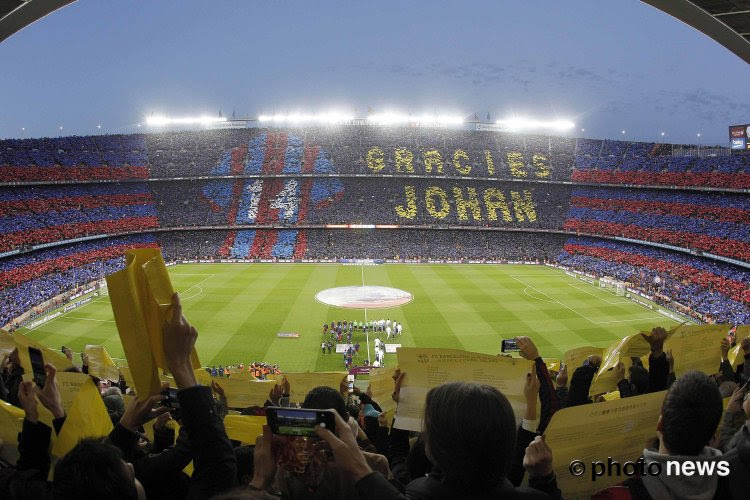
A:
[(239, 309)]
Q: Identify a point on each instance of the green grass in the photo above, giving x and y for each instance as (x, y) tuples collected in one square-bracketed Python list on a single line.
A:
[(239, 308)]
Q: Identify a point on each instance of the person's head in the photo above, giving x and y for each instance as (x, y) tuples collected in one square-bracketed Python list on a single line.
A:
[(324, 398), (470, 434), (639, 379), (690, 414), (95, 469)]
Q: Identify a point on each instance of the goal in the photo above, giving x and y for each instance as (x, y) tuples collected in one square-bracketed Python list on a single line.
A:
[(612, 285)]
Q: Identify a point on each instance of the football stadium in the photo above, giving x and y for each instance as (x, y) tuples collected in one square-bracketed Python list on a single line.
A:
[(376, 303)]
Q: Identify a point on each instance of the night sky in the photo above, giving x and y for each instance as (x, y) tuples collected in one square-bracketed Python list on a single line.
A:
[(609, 65)]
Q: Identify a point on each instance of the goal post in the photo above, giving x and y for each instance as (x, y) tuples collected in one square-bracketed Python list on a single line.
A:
[(612, 285)]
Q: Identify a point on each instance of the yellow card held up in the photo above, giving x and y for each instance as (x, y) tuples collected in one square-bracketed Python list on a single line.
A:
[(58, 360), (101, 364), (428, 368), (588, 433), (7, 343), (300, 383), (244, 428), (382, 385), (11, 423), (141, 296), (87, 417), (696, 347)]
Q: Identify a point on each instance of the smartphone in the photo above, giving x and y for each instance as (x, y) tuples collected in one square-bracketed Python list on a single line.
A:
[(299, 421), (509, 345), (350, 378), (37, 366), (172, 403)]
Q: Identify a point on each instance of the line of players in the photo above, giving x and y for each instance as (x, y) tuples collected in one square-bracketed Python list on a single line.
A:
[(343, 330)]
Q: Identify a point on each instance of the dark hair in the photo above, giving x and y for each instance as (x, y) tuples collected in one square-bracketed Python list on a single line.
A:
[(93, 470), (639, 379), (690, 414), (470, 434), (324, 398)]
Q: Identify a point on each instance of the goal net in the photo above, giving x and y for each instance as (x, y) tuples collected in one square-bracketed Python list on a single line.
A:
[(612, 285)]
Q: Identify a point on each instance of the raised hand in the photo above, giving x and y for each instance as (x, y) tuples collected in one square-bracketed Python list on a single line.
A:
[(49, 395), (345, 450), (538, 458), (264, 460), (527, 347), (140, 411), (179, 341), (218, 390), (531, 387), (724, 349), (562, 376), (656, 339), (27, 398), (735, 402), (397, 388)]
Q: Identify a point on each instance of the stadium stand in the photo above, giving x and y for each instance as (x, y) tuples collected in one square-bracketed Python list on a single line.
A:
[(270, 194), (275, 183)]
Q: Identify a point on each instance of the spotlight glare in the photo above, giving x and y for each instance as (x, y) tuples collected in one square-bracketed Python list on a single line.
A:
[(394, 118), (519, 123), (327, 118), (161, 121)]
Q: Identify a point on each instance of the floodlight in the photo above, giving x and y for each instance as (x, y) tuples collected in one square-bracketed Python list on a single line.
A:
[(395, 118), (330, 117), (517, 123), (160, 120)]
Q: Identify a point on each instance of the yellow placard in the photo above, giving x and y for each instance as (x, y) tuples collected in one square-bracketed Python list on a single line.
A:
[(736, 354), (575, 357), (125, 372), (428, 368), (11, 423), (552, 364), (245, 393), (696, 347), (69, 384), (300, 383), (101, 364), (58, 360), (619, 351), (7, 343), (141, 296), (588, 433), (87, 417), (244, 428), (382, 385)]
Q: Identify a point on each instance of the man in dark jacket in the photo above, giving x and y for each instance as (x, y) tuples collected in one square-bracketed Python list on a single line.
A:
[(690, 415)]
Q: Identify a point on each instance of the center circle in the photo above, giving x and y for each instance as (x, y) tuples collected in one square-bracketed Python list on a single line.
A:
[(364, 297)]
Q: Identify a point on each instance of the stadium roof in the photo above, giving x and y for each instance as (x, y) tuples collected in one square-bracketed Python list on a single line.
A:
[(17, 14), (726, 21)]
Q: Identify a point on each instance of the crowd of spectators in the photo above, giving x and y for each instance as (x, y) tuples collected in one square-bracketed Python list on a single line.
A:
[(715, 223), (360, 201), (384, 244), (617, 162), (471, 446), (34, 214), (31, 279), (74, 158), (713, 289)]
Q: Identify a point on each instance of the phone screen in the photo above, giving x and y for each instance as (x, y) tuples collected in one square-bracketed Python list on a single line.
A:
[(37, 366), (509, 345), (299, 422)]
